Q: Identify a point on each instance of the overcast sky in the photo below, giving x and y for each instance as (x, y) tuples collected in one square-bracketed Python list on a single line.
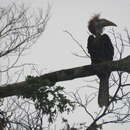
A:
[(55, 46), (53, 51)]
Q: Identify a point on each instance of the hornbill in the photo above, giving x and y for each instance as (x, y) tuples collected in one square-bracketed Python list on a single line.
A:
[(100, 49)]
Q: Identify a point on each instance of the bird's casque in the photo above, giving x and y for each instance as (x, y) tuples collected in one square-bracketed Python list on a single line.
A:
[(96, 25)]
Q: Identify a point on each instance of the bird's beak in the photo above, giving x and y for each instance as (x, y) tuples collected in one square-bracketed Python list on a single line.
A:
[(105, 22)]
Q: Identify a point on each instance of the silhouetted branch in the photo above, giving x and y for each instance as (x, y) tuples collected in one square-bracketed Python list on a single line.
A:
[(63, 75)]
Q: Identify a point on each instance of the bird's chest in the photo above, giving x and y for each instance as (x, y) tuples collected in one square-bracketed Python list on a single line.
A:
[(98, 44)]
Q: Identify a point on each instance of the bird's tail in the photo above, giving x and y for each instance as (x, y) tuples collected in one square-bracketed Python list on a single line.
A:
[(103, 96)]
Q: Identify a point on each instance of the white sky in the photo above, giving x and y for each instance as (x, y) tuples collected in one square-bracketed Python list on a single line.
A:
[(54, 49)]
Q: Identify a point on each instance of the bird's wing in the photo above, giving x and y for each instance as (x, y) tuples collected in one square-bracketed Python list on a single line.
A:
[(90, 44), (108, 47)]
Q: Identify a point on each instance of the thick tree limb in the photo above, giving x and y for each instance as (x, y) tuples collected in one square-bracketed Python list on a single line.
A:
[(18, 89)]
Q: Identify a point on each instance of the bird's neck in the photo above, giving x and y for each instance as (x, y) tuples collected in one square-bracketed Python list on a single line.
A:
[(98, 36)]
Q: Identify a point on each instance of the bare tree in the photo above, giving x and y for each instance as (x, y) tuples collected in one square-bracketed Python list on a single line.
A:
[(20, 27), (19, 30)]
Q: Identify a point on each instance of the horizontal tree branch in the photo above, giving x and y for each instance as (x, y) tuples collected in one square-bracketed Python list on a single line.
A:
[(20, 88)]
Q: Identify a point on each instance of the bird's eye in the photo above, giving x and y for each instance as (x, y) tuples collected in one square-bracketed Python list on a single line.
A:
[(97, 23)]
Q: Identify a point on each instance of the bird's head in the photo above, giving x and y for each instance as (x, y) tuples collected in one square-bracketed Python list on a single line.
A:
[(96, 24)]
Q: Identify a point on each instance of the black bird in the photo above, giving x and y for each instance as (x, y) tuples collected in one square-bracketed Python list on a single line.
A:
[(100, 49)]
